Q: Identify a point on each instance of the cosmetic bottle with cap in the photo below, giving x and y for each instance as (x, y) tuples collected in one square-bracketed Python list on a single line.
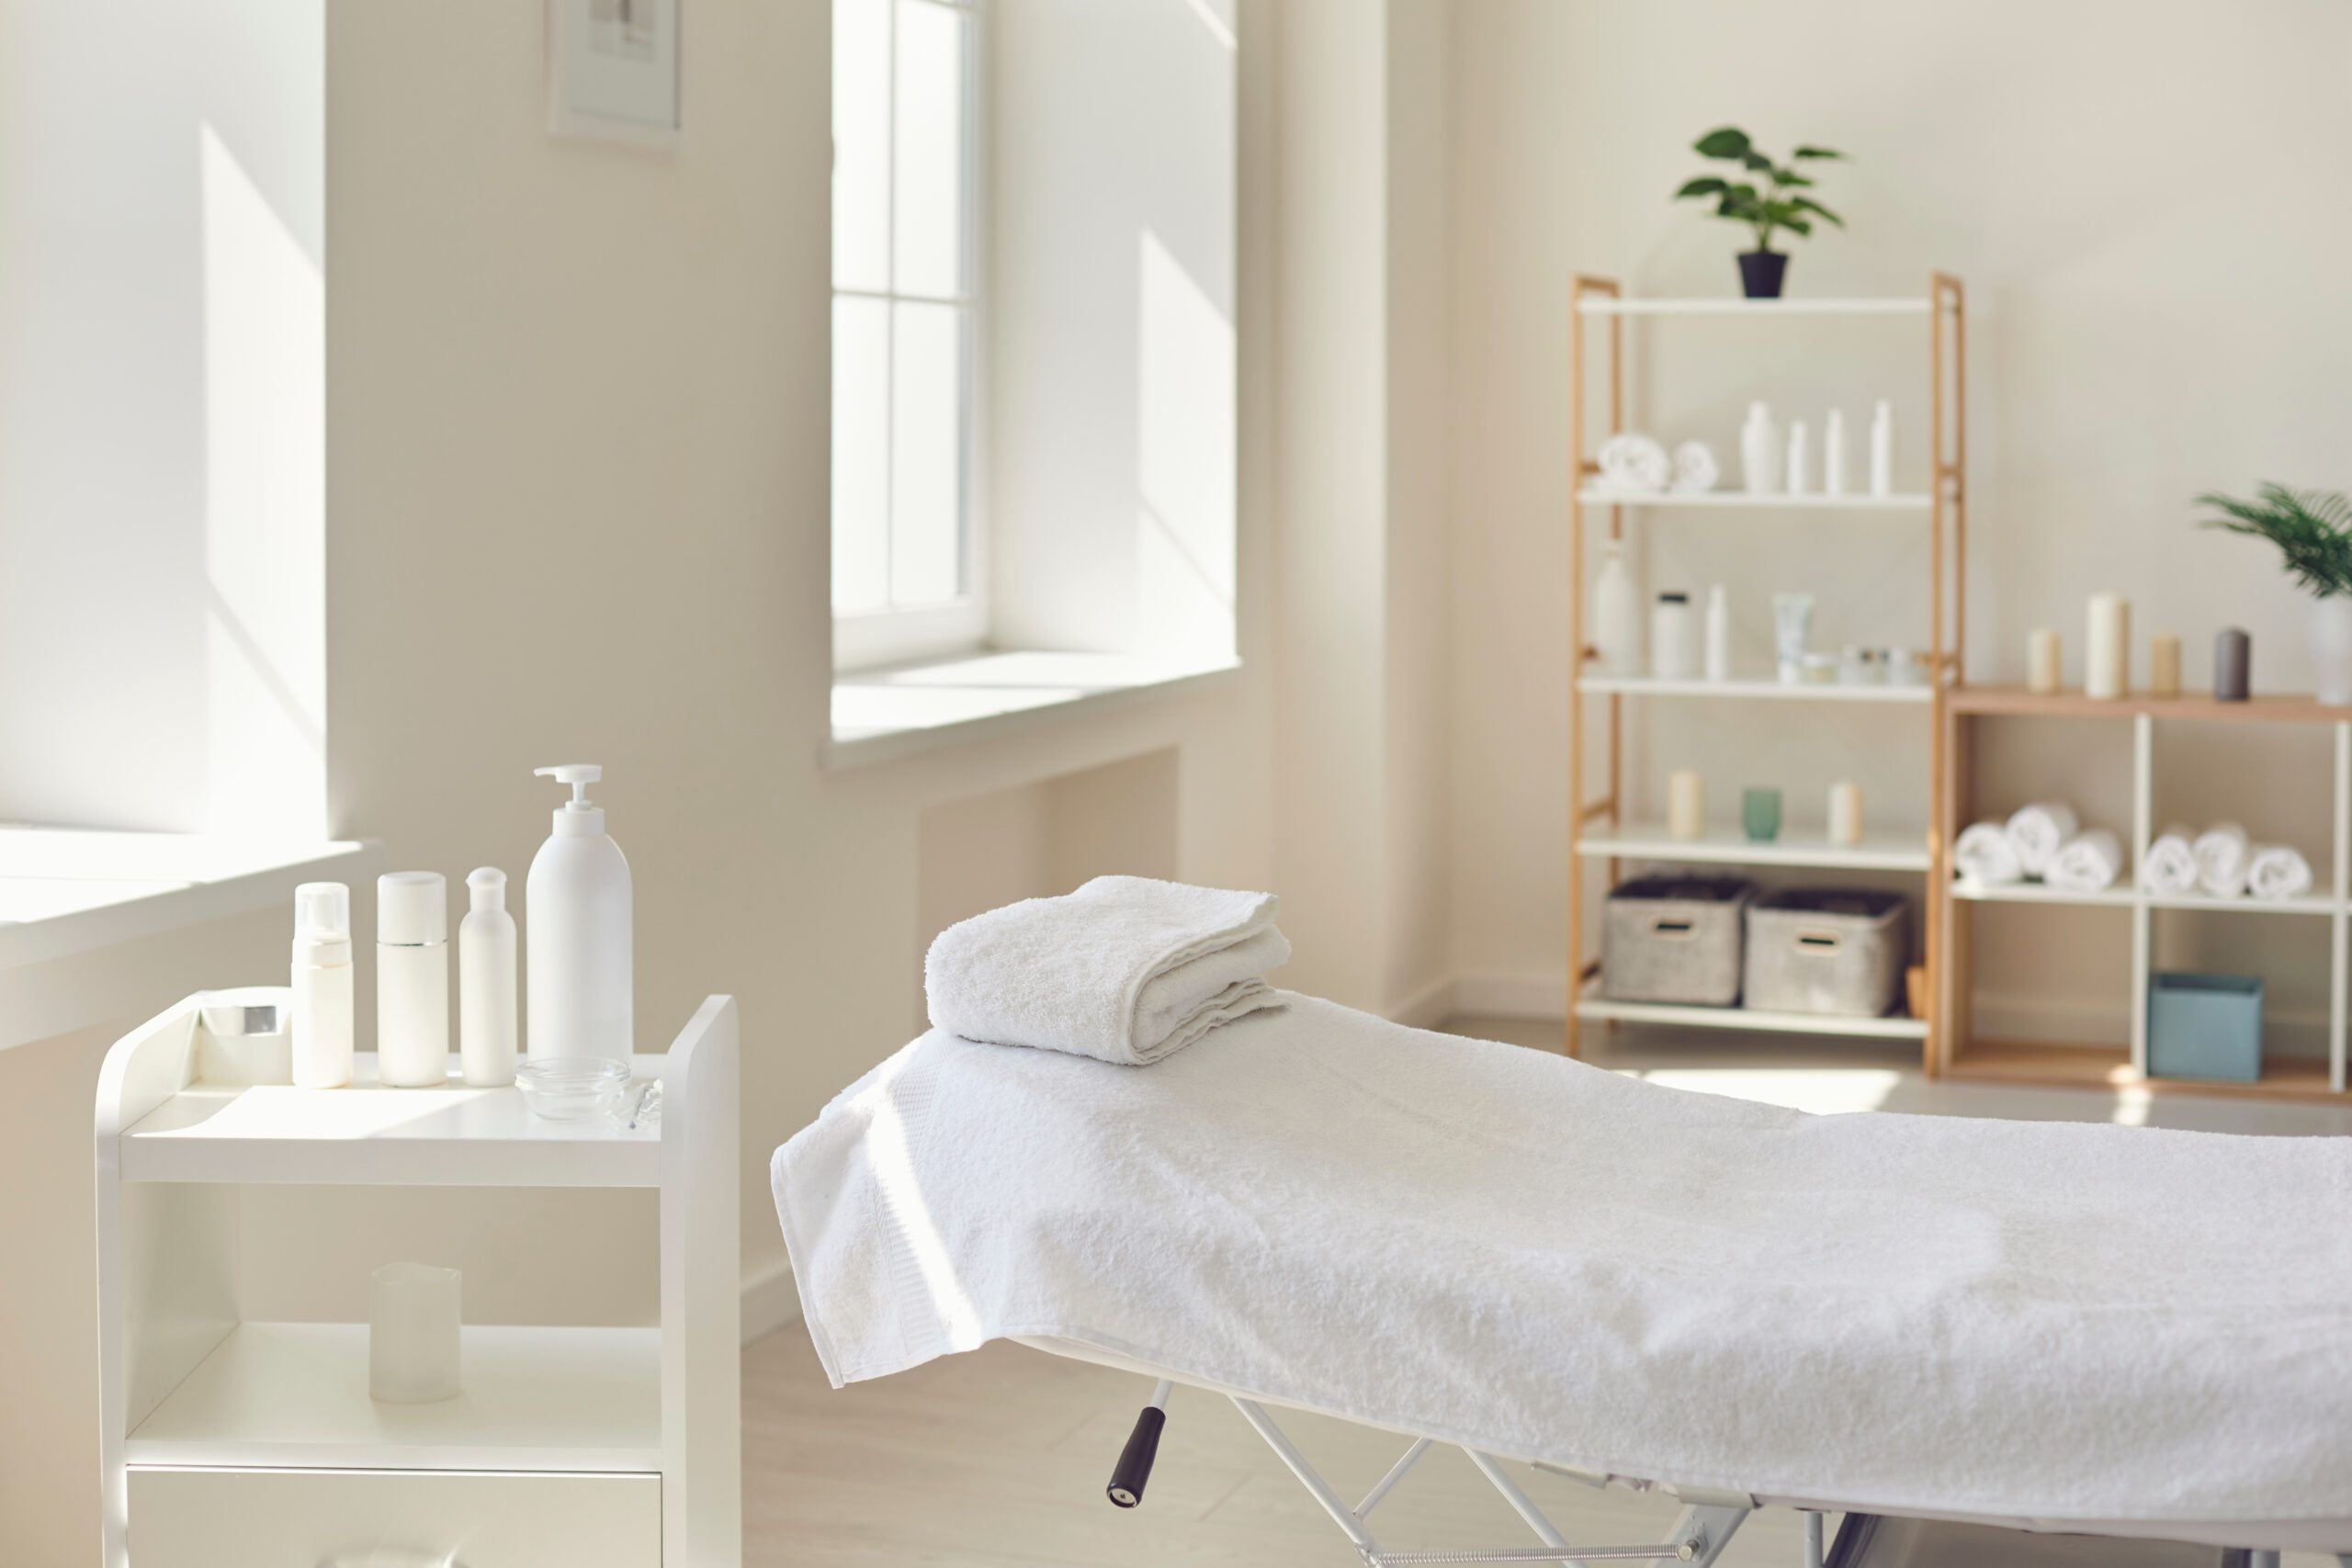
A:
[(321, 979), (412, 978), (578, 979), (486, 1040)]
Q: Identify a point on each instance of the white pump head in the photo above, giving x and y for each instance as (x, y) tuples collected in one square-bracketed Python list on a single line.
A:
[(576, 816)]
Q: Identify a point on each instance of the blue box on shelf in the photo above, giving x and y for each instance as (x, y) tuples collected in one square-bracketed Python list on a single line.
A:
[(2205, 1026)]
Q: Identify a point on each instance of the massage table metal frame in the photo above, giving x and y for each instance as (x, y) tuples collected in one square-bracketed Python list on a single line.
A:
[(1700, 1533)]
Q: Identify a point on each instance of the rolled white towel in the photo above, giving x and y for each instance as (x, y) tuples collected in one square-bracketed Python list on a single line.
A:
[(2278, 870), (2222, 856), (1127, 969), (2170, 864), (1984, 856), (2037, 830), (2089, 861)]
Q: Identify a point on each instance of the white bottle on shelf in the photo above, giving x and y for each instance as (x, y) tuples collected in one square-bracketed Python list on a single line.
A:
[(1674, 643), (1799, 467), (1833, 454), (486, 1032), (413, 979), (577, 932), (1760, 451), (1718, 634), (1616, 615), (322, 976), (1882, 449)]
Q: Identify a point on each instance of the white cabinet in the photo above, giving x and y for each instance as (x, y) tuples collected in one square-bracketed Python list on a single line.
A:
[(234, 1435)]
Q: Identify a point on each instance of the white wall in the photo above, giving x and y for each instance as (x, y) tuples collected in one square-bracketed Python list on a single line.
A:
[(161, 236), (2156, 309)]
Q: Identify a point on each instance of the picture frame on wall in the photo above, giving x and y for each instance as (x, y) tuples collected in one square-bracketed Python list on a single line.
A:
[(613, 70)]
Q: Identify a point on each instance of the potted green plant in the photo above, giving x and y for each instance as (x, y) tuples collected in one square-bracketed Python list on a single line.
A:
[(1772, 199), (2312, 528)]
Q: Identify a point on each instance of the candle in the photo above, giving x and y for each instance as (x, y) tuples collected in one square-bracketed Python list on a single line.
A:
[(1845, 813), (2164, 666), (2107, 653), (1686, 804), (2233, 664), (2042, 661)]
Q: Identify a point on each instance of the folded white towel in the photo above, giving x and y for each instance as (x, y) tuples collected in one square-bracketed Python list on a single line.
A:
[(2222, 856), (2087, 863), (2170, 864), (2278, 870), (1127, 969), (2038, 829), (1984, 855)]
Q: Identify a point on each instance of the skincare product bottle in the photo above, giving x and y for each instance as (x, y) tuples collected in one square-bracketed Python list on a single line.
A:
[(1674, 644), (412, 978), (1833, 454), (1792, 626), (1800, 470), (1686, 804), (2042, 667), (486, 1039), (1882, 449), (2107, 650), (577, 924), (1616, 615), (1760, 451), (1718, 634), (321, 1050), (1846, 814)]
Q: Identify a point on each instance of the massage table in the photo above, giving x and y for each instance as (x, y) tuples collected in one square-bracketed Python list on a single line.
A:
[(2044, 1326)]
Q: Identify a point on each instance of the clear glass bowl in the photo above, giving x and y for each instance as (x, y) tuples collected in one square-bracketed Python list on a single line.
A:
[(571, 1088)]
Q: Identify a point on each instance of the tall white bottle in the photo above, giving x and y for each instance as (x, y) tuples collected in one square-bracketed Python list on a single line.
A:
[(322, 1048), (413, 979), (1760, 451), (1616, 615), (1833, 454), (486, 1032), (1718, 634), (576, 933), (1882, 449), (1800, 474)]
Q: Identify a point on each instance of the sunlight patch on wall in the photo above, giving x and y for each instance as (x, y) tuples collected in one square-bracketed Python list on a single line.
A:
[(1185, 454)]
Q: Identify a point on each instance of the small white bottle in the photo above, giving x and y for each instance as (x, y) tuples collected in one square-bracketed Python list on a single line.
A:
[(1718, 634), (1833, 454), (577, 930), (1674, 644), (1760, 451), (1800, 468), (412, 978), (1616, 615), (486, 1032), (321, 1047), (1882, 449)]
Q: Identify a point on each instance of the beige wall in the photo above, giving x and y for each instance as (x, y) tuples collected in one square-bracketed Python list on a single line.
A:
[(2156, 308)]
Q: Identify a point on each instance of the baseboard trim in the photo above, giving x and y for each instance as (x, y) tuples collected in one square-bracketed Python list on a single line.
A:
[(1540, 998), (771, 1300), (1427, 1007)]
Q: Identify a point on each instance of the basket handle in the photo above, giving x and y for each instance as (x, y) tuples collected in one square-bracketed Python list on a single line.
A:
[(1820, 944), (1674, 927)]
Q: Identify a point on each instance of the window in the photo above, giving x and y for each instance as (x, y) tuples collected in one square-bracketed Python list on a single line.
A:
[(905, 547)]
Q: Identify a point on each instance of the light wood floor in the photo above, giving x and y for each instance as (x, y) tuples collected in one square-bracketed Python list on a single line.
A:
[(1000, 1457)]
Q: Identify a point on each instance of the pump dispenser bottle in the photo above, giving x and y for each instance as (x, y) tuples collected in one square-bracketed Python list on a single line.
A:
[(576, 933), (486, 1037), (321, 978), (412, 978)]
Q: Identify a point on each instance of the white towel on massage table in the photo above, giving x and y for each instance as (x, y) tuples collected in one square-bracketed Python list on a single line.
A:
[(2087, 863), (2171, 862), (2278, 870), (1127, 969), (2039, 830), (1985, 856), (1497, 1246), (2222, 858)]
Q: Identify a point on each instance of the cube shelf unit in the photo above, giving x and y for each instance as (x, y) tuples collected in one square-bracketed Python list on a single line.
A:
[(223, 1440), (1960, 1054), (1598, 829)]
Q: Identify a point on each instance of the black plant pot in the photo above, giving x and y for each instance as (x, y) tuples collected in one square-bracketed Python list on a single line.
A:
[(1761, 273)]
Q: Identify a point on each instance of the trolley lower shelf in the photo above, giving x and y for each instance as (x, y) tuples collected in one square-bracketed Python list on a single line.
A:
[(1593, 1009)]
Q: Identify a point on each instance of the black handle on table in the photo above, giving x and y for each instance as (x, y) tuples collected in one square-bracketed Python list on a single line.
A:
[(1134, 1461)]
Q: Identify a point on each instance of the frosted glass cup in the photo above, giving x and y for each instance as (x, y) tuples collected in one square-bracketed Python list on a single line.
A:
[(413, 1333), (1760, 814)]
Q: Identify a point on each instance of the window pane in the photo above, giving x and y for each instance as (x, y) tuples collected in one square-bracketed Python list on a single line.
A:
[(927, 455), (861, 143), (861, 455), (929, 187)]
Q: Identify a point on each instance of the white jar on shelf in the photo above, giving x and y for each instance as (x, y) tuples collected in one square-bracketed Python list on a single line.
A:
[(1674, 638), (1616, 615)]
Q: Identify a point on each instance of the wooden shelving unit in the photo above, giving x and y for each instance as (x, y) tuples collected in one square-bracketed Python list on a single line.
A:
[(1956, 1051), (1599, 832)]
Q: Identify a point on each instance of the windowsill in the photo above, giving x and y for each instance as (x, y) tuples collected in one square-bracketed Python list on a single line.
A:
[(879, 714)]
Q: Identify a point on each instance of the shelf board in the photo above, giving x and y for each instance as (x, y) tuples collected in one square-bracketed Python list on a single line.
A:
[(1595, 496), (1607, 305), (1595, 1009), (1729, 846), (2304, 903), (2108, 1067), (2119, 896), (452, 1137), (295, 1395), (2015, 701), (1744, 690), (2122, 895)]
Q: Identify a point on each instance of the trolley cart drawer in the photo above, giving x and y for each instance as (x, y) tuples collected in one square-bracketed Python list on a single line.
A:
[(392, 1518)]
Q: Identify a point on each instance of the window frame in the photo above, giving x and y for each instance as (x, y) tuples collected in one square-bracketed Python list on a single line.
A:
[(894, 633)]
